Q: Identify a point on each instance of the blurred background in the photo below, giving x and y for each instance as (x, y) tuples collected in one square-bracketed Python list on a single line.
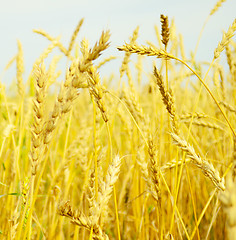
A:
[(60, 17)]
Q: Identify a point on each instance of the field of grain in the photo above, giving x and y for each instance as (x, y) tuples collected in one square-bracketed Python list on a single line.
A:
[(118, 157)]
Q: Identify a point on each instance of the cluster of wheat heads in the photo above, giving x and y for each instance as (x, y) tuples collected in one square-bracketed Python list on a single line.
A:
[(81, 159)]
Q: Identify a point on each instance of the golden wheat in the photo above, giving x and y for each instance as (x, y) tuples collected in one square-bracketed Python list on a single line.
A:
[(97, 151)]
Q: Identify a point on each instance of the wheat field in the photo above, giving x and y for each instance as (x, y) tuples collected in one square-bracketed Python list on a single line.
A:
[(94, 157)]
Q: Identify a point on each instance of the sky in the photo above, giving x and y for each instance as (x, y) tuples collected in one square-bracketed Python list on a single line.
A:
[(18, 18)]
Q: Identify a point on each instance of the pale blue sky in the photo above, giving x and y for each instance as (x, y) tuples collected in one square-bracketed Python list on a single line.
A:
[(59, 17)]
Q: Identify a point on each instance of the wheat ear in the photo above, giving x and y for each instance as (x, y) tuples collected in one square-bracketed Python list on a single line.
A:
[(127, 54), (144, 50), (38, 125), (20, 69), (206, 167), (202, 123), (165, 31), (72, 41), (225, 39), (154, 171), (230, 58), (111, 178), (52, 39), (93, 77), (228, 107), (100, 46), (64, 102), (65, 209), (217, 6), (167, 99), (106, 60), (96, 91), (173, 164)]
